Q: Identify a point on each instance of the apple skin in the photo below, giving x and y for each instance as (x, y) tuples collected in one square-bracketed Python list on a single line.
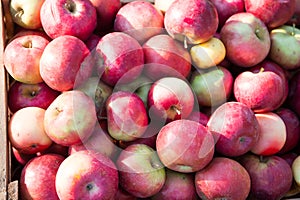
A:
[(92, 41), (87, 175), (22, 158), (247, 89), (199, 116), (185, 146), (164, 57), (246, 39), (70, 119), (273, 13), (193, 22), (222, 179), (22, 56), (271, 176), (26, 130), (37, 180), (163, 5), (295, 19), (140, 26), (26, 15), (122, 58), (235, 128), (68, 17), (140, 170), (22, 95)]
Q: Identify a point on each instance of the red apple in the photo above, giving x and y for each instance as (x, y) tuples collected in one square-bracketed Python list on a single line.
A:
[(68, 17), (223, 178), (56, 149), (294, 91), (295, 19), (124, 195), (22, 158), (199, 116), (92, 41)]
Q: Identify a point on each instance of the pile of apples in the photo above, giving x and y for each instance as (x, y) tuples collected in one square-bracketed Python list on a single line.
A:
[(170, 99)]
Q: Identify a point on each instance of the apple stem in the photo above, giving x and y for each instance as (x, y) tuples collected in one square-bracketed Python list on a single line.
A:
[(70, 6), (176, 110), (19, 13), (261, 70), (185, 42), (294, 27)]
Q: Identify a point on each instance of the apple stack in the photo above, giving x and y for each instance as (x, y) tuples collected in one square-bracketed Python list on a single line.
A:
[(170, 99)]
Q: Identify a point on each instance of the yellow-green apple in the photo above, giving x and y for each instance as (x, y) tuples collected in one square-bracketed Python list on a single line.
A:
[(296, 170), (127, 117), (22, 56), (170, 98), (235, 128), (65, 63), (141, 172), (246, 39), (271, 176), (68, 17), (140, 26), (294, 91), (37, 180), (247, 89), (177, 186), (223, 178), (212, 86), (163, 5), (70, 119), (199, 116), (192, 22), (26, 130), (121, 56), (185, 146), (22, 95), (87, 175), (26, 15), (165, 56), (273, 13), (285, 48), (272, 134)]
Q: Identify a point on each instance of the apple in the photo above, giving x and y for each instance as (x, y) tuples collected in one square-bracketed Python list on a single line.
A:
[(285, 49), (127, 117), (223, 178), (295, 19), (271, 176), (68, 17), (163, 5), (235, 128), (212, 86), (65, 63), (185, 146), (26, 15), (140, 26), (87, 175), (22, 56), (120, 57), (164, 57), (295, 170), (247, 89), (140, 171), (246, 39), (170, 98), (56, 149), (272, 135), (26, 130), (294, 91), (192, 22), (21, 158), (199, 116), (124, 195), (70, 119), (37, 180), (92, 41), (273, 13)]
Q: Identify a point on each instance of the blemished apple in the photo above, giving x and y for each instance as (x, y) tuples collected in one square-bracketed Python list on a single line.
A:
[(68, 17), (26, 15), (122, 58), (170, 98), (235, 128), (26, 130), (271, 176), (163, 5), (294, 91), (246, 39), (65, 63), (273, 13), (22, 56), (165, 56), (223, 178), (212, 86), (191, 22), (185, 146), (141, 173), (199, 116), (140, 26), (70, 119), (87, 175), (37, 180), (272, 134), (127, 117), (285, 49)]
